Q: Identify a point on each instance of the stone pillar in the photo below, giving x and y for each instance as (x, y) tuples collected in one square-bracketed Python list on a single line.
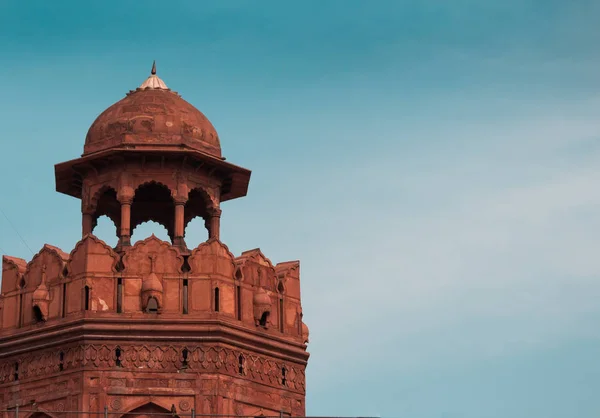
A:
[(87, 224), (179, 226), (214, 224), (125, 230)]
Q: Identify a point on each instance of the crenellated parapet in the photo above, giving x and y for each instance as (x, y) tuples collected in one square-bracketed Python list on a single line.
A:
[(151, 279)]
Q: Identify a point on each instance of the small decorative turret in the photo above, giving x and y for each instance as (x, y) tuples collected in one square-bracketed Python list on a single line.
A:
[(262, 307), (152, 290), (41, 299)]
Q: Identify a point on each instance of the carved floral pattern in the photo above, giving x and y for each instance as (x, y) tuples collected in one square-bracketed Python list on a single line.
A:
[(208, 359)]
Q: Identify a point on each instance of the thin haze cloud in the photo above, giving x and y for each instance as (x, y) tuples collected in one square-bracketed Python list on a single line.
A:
[(432, 164)]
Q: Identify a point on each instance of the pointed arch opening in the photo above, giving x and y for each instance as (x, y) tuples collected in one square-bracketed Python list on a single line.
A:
[(153, 202), (148, 228), (196, 217), (152, 306), (106, 229), (105, 205), (264, 318), (38, 316), (150, 410)]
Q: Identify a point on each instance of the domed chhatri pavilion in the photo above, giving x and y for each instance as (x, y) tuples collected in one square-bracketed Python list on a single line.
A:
[(151, 326)]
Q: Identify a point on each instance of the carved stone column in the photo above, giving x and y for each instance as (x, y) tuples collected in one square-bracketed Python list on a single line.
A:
[(87, 223), (179, 226), (214, 224), (125, 230)]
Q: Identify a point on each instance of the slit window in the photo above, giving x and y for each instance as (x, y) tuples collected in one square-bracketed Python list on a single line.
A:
[(61, 361), (283, 378), (281, 315), (238, 301), (20, 310), (118, 357), (64, 300), (87, 298), (119, 295), (185, 296), (216, 299), (184, 358), (241, 364), (16, 376)]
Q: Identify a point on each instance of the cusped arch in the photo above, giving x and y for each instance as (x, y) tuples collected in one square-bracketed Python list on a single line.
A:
[(212, 257), (150, 183), (258, 256), (137, 258), (105, 259), (199, 203), (54, 260), (13, 269), (104, 202), (153, 201), (257, 269)]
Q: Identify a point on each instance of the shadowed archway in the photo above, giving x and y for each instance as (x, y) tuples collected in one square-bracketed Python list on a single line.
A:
[(40, 415), (149, 410)]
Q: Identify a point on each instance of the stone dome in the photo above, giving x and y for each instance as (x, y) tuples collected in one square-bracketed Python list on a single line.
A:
[(152, 117)]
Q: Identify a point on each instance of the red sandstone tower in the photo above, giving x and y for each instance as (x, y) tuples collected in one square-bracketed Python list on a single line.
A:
[(151, 326)]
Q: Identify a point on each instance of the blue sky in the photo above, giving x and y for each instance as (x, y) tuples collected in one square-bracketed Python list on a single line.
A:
[(433, 164)]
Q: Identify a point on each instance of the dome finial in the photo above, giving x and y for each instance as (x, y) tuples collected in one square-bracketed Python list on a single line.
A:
[(153, 81)]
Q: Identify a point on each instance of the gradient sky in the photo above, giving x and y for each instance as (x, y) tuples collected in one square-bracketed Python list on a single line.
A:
[(434, 164)]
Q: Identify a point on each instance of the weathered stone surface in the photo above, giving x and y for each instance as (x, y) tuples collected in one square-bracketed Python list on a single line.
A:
[(152, 326)]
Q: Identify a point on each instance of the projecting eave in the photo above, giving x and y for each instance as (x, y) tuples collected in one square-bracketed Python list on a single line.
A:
[(69, 175)]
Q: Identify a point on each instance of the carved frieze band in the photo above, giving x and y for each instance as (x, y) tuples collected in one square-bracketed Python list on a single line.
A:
[(157, 358)]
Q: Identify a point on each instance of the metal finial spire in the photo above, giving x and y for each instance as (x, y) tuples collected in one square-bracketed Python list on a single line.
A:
[(153, 82)]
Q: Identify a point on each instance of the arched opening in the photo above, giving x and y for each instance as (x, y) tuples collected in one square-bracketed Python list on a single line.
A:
[(107, 216), (152, 306), (263, 319), (153, 202), (40, 415), (106, 230), (148, 228), (37, 314), (150, 410), (216, 301), (196, 217)]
